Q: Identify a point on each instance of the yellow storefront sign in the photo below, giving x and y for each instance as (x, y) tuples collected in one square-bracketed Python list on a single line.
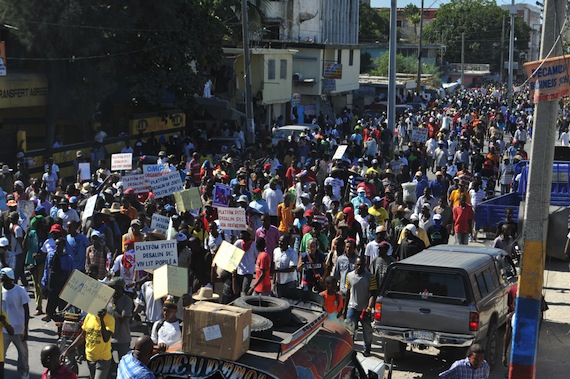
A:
[(23, 90), (157, 123)]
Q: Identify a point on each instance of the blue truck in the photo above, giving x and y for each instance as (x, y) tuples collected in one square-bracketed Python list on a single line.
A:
[(489, 213)]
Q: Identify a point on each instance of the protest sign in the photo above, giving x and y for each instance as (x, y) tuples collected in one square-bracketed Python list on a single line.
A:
[(232, 218), (170, 280), (166, 185), (420, 135), (84, 171), (27, 207), (548, 78), (153, 254), (86, 293), (221, 195), (188, 199), (159, 222), (154, 170), (228, 256), (89, 207), (339, 153), (137, 182), (122, 161)]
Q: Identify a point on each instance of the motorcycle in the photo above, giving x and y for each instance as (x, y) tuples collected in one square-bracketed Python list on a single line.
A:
[(68, 330)]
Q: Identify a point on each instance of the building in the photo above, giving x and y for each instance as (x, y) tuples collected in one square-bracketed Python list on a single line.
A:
[(532, 16)]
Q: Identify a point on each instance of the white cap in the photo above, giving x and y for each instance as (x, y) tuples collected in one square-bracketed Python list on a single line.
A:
[(437, 216), (380, 229), (4, 242), (414, 217), (412, 228)]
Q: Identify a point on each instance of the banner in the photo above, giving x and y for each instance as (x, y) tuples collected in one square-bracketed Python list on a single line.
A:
[(222, 195), (86, 293), (166, 185), (188, 199), (122, 161), (84, 171), (549, 81), (420, 135), (228, 256), (155, 170), (153, 254), (159, 222), (170, 280), (137, 182), (89, 207), (232, 218)]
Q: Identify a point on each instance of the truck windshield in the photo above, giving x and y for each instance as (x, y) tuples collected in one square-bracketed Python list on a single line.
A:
[(440, 287)]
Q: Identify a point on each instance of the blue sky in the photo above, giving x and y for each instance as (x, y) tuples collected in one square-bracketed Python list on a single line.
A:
[(430, 3)]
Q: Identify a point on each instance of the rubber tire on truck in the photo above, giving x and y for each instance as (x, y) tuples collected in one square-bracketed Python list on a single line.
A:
[(276, 310), (492, 346), (261, 327), (393, 349)]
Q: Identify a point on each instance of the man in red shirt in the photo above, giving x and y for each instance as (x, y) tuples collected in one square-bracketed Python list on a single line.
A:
[(462, 220), (194, 167), (262, 283), (50, 357)]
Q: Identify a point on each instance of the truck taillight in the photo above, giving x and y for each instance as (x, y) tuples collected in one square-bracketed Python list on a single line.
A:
[(473, 321), (377, 311)]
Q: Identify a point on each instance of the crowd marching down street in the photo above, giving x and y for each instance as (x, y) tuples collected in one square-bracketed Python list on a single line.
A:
[(322, 213)]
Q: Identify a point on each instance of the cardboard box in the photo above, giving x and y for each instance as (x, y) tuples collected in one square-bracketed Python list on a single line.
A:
[(216, 330)]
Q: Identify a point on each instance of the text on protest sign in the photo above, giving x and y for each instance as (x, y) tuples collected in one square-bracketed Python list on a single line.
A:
[(170, 280), (232, 218), (228, 257), (154, 170), (153, 254), (188, 199), (420, 135), (86, 293), (138, 183), (166, 185), (159, 222), (122, 161)]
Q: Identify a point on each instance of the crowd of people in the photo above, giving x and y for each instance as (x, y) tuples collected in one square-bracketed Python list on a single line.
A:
[(325, 229)]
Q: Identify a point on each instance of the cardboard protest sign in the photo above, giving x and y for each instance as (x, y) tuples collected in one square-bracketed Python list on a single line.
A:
[(188, 199), (84, 171), (122, 161), (27, 207), (159, 222), (137, 182), (170, 280), (86, 293), (166, 185), (153, 254), (232, 218), (89, 207), (222, 195), (339, 153), (420, 135), (228, 256), (154, 170)]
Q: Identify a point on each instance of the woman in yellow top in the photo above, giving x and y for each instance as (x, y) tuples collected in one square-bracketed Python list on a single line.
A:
[(97, 332)]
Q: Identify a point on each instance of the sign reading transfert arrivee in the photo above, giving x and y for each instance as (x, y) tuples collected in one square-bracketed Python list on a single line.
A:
[(420, 135), (166, 185), (548, 79), (122, 161), (232, 218), (153, 254), (159, 222)]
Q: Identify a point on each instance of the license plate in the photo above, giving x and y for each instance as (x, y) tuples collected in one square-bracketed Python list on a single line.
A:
[(422, 335)]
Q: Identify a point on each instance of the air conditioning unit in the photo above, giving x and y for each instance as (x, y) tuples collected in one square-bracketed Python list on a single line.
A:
[(298, 77)]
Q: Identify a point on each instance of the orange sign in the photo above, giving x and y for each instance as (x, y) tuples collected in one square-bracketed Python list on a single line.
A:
[(549, 79)]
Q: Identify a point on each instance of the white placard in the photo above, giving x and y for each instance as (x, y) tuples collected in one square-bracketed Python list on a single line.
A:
[(86, 293), (159, 222), (232, 218), (420, 135), (137, 182), (84, 171), (153, 254), (122, 161), (170, 280), (166, 185), (89, 207), (339, 153)]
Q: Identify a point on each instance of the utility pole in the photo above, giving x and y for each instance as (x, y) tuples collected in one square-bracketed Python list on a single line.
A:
[(249, 123), (462, 59), (392, 68), (513, 12), (502, 65), (419, 80), (536, 210)]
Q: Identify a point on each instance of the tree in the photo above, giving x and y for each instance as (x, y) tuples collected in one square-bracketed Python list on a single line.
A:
[(89, 49), (412, 13), (374, 24), (481, 21), (404, 65)]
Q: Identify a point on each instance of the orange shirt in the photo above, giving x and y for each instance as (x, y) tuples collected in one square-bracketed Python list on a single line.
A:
[(285, 215), (332, 303)]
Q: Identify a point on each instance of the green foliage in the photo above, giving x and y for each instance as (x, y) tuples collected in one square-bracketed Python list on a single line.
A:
[(374, 24), (404, 65)]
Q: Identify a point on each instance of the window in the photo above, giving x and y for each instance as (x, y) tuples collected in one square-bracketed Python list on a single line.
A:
[(271, 69), (481, 284), (339, 56), (283, 69), (435, 287), (350, 57), (491, 279)]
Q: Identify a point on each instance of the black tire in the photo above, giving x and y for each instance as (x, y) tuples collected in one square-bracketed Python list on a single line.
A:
[(261, 327), (393, 349), (276, 310), (492, 346)]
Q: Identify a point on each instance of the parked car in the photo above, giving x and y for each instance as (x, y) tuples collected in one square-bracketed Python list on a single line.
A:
[(448, 297), (295, 130)]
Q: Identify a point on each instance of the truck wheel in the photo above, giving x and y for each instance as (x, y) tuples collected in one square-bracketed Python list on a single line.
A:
[(492, 346), (276, 310), (261, 327), (393, 349)]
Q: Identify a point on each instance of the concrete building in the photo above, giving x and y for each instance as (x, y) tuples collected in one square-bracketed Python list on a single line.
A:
[(531, 15)]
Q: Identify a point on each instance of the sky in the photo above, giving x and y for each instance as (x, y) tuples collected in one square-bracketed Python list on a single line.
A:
[(431, 3)]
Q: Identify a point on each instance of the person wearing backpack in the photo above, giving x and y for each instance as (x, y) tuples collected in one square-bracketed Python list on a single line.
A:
[(168, 331)]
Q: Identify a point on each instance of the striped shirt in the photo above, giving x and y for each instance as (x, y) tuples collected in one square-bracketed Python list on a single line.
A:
[(462, 369), (132, 368)]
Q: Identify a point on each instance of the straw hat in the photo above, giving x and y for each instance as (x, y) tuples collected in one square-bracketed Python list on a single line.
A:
[(206, 293)]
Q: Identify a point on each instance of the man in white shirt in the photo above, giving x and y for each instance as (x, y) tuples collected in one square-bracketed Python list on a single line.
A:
[(273, 196), (167, 332), (286, 260), (565, 138)]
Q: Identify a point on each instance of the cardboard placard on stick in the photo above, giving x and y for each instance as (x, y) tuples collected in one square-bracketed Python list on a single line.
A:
[(153, 254), (188, 199), (232, 218), (228, 256), (170, 280), (86, 293), (89, 207)]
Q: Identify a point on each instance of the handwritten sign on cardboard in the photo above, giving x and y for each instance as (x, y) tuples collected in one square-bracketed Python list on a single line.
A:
[(121, 161), (153, 254), (228, 256), (137, 182), (232, 218), (170, 280), (188, 199), (86, 293), (166, 185), (159, 222)]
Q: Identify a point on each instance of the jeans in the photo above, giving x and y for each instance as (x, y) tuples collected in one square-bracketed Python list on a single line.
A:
[(353, 318), (37, 273), (22, 347), (99, 369), (462, 238)]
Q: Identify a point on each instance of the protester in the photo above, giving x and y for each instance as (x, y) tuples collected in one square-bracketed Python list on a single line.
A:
[(474, 366), (54, 369), (133, 365)]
